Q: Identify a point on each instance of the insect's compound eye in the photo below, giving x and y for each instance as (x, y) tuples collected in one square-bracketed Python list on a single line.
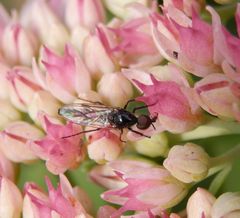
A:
[(144, 122)]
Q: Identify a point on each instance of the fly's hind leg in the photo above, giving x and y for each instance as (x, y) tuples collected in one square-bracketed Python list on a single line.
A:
[(82, 132), (139, 133)]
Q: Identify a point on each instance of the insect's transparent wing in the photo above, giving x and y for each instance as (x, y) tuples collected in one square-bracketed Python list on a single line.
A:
[(91, 114)]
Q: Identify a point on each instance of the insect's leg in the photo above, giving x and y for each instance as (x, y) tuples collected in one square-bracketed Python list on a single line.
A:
[(128, 102), (139, 133), (141, 107), (153, 126), (121, 136), (86, 131)]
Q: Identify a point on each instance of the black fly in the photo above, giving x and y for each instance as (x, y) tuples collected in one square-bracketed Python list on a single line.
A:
[(99, 116)]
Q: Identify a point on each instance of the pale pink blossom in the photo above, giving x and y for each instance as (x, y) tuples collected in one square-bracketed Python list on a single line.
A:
[(189, 45), (10, 199), (43, 101), (19, 45), (104, 146), (14, 141), (59, 202), (115, 89), (146, 189), (87, 13), (45, 23), (22, 86), (161, 93), (135, 44), (218, 95), (120, 8), (200, 204), (60, 153), (66, 76), (97, 58), (188, 163)]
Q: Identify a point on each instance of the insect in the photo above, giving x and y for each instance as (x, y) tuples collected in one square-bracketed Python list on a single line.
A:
[(97, 115)]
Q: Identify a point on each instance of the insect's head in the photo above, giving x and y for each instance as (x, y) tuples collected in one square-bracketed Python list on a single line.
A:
[(145, 121)]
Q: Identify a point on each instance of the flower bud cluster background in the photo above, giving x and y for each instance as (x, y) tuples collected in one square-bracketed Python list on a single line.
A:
[(180, 57)]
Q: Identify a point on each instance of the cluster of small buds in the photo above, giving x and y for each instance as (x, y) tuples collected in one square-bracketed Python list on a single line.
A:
[(106, 56)]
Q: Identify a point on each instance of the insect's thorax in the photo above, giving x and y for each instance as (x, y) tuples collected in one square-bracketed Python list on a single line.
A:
[(121, 118)]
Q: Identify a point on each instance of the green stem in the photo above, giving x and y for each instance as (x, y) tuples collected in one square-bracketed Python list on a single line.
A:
[(227, 158), (213, 128)]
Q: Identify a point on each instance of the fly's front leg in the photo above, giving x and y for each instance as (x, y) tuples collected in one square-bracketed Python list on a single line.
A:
[(128, 102), (139, 133), (142, 107)]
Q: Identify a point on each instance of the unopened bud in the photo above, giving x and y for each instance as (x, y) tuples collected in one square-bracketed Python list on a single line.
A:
[(188, 163), (115, 89), (156, 146)]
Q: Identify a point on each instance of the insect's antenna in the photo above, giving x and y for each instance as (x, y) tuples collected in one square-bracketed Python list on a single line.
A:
[(82, 132)]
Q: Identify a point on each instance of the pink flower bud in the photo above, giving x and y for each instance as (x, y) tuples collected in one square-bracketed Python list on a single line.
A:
[(8, 113), (200, 204), (60, 153), (106, 176), (185, 42), (66, 76), (22, 86), (38, 16), (227, 205), (87, 13), (115, 89), (164, 91), (10, 199), (188, 163), (215, 94), (14, 141), (43, 101), (104, 146), (149, 189), (59, 202), (19, 45)]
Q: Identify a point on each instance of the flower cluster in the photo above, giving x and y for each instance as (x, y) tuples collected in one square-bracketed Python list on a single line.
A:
[(184, 68)]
